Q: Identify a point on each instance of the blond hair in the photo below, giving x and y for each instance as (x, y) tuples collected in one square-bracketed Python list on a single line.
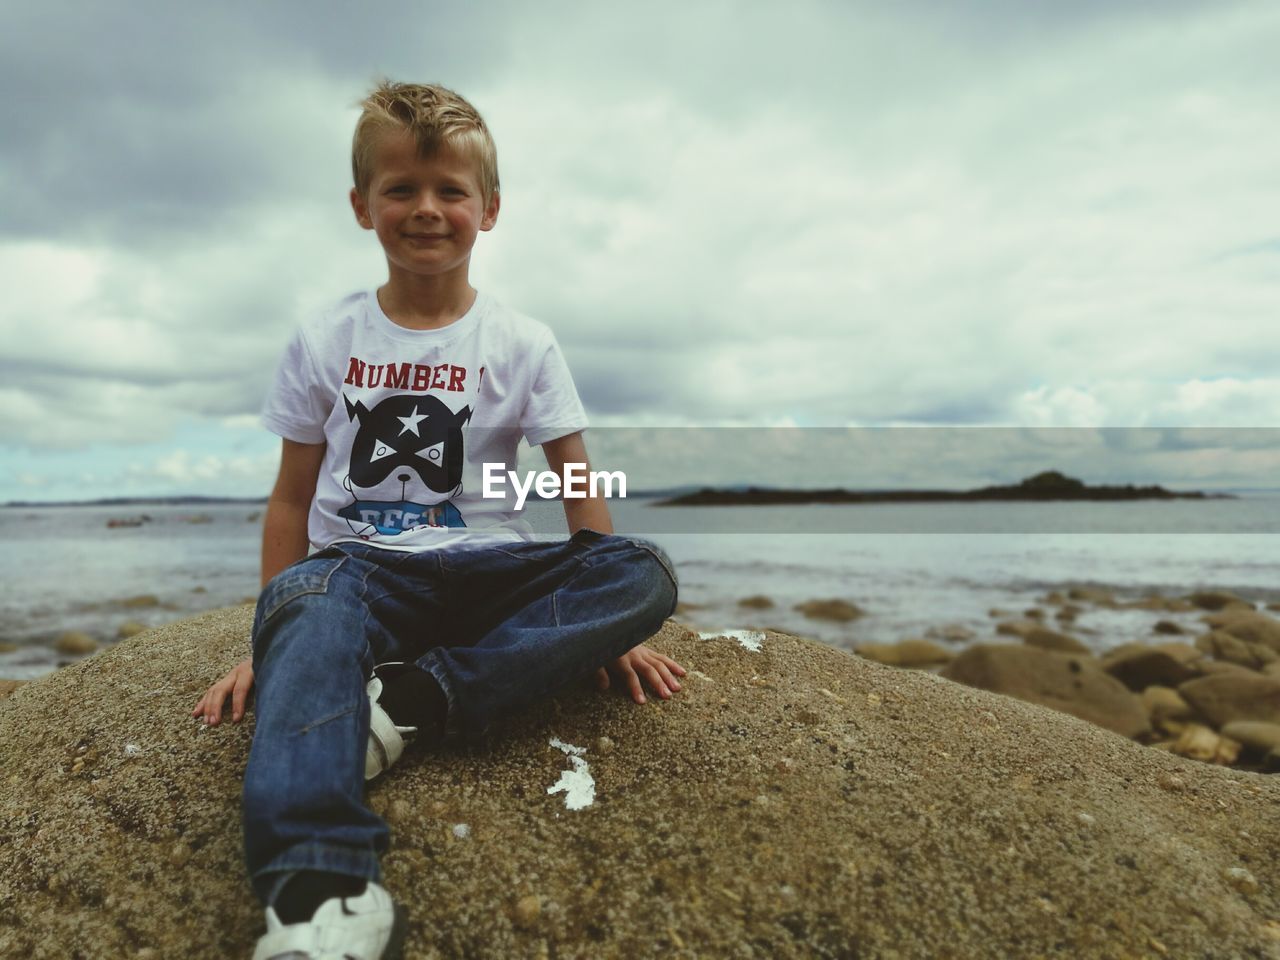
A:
[(435, 117)]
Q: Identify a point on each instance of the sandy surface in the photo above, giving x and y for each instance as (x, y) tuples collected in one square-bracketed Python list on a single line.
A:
[(793, 801)]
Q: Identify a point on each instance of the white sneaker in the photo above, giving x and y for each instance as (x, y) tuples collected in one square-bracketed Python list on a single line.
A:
[(386, 740), (368, 927)]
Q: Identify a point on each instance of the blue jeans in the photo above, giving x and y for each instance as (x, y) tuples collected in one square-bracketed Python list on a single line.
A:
[(498, 627)]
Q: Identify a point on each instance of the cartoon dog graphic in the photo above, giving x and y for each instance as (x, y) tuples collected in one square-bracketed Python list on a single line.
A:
[(406, 461)]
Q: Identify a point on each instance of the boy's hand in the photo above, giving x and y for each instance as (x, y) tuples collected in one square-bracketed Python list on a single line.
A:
[(656, 668), (236, 684)]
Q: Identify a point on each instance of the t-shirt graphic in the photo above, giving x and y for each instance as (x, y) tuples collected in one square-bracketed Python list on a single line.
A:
[(410, 418), (406, 461)]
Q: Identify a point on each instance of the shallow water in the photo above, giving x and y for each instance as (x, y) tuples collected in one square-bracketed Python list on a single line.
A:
[(913, 569)]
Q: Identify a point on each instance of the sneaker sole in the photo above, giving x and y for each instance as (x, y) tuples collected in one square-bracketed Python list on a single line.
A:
[(399, 930)]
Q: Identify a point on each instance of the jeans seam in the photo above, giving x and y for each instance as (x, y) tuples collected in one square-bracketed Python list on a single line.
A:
[(321, 587), (323, 720)]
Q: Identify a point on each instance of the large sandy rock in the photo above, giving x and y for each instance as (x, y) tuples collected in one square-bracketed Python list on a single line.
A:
[(1074, 684), (790, 802)]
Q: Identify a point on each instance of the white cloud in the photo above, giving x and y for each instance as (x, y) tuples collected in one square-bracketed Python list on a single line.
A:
[(832, 214)]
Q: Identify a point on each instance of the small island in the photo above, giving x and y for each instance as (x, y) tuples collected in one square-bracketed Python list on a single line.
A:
[(1049, 485)]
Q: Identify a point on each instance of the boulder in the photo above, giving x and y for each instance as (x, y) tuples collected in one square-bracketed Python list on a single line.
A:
[(1218, 600), (75, 643), (1253, 734), (130, 628), (791, 802), (1199, 742), (756, 601), (1017, 628), (1165, 703), (1145, 666), (1225, 647), (1224, 697), (908, 653), (955, 632), (1073, 684), (1094, 595), (1168, 627), (142, 602), (841, 611), (1047, 639), (1248, 625)]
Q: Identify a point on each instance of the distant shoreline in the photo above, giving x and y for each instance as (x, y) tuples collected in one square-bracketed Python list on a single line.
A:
[(136, 502), (1047, 486)]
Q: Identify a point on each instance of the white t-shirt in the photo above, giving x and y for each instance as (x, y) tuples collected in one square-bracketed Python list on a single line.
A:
[(410, 417)]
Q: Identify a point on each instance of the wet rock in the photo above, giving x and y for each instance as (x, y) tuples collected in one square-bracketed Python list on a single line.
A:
[(1248, 625), (130, 628), (1219, 600), (1168, 627), (1033, 613), (1225, 647), (954, 632), (908, 653), (1017, 628), (74, 643), (141, 602), (1068, 612), (756, 601), (1164, 703), (1139, 667), (1048, 639), (1072, 684), (7, 647), (1095, 595), (1254, 734), (839, 611), (1209, 667), (1199, 742), (1224, 697)]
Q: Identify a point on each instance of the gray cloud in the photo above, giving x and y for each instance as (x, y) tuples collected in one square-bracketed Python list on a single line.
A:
[(1008, 212)]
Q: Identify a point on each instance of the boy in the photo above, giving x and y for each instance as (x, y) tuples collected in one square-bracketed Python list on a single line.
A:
[(427, 611)]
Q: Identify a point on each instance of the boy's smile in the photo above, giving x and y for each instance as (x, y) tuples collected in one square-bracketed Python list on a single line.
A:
[(426, 212)]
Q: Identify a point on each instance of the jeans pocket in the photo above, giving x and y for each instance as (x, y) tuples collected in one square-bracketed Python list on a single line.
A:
[(304, 577)]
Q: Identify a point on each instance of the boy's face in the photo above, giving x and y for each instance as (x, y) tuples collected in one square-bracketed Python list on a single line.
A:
[(426, 213)]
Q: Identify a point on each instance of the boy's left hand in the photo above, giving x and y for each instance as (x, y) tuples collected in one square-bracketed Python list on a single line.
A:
[(656, 668)]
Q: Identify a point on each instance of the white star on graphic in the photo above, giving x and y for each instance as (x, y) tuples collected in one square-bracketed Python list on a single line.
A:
[(411, 422)]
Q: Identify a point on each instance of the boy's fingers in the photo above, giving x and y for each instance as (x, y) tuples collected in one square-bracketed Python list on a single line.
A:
[(656, 681), (671, 681), (602, 679), (633, 681)]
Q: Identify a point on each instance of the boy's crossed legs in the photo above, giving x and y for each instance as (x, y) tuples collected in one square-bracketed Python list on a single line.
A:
[(497, 628)]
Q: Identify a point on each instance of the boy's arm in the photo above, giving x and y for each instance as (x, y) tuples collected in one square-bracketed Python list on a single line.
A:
[(284, 541), (284, 532), (590, 512)]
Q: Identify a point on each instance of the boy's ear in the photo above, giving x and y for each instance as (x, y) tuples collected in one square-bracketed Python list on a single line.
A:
[(491, 212), (361, 209)]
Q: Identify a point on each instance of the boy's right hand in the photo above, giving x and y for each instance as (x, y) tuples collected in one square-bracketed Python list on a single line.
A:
[(236, 684)]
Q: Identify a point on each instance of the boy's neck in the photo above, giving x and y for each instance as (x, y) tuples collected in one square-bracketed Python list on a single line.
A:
[(425, 303)]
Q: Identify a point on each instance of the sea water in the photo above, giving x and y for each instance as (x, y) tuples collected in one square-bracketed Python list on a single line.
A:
[(914, 569)]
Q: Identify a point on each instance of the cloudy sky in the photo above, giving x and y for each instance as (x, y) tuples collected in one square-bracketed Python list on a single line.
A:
[(996, 212)]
